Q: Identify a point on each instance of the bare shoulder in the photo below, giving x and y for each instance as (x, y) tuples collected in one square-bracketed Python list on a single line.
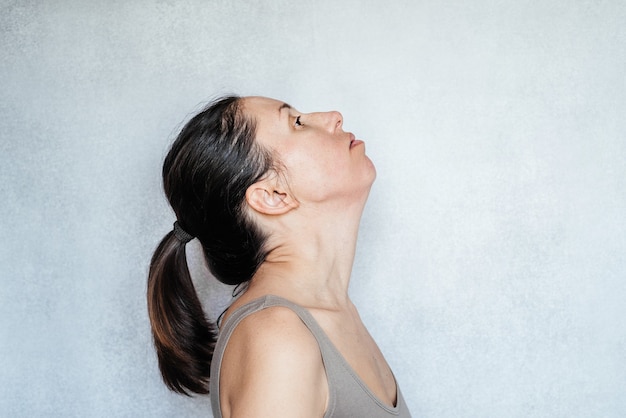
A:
[(275, 332), (272, 366)]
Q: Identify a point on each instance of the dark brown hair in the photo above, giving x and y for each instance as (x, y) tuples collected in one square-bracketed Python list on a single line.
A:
[(206, 173)]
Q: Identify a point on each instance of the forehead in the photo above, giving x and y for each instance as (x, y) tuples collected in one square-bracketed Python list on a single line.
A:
[(262, 107), (269, 115)]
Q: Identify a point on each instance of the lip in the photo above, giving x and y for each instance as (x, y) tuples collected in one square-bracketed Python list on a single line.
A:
[(354, 142)]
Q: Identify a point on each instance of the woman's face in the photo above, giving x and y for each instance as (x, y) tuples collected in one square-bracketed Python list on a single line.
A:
[(321, 161)]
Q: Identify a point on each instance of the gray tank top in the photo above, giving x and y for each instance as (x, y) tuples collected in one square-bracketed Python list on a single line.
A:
[(348, 394)]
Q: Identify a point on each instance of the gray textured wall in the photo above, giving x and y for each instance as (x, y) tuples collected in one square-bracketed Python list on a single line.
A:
[(491, 265)]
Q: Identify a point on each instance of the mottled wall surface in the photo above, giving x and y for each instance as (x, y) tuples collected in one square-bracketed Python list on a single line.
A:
[(491, 266)]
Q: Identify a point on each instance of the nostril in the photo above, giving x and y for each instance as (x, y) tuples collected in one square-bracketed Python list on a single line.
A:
[(339, 122)]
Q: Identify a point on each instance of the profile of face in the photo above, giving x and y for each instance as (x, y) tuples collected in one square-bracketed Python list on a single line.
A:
[(321, 162)]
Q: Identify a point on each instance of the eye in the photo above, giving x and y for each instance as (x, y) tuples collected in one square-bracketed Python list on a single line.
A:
[(298, 123)]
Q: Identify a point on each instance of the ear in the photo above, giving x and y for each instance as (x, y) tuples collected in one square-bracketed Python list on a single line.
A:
[(268, 199)]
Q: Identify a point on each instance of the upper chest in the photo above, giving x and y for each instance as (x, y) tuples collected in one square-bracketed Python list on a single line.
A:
[(350, 337)]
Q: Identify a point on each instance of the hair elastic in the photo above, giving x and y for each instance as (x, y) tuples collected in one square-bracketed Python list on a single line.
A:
[(182, 235)]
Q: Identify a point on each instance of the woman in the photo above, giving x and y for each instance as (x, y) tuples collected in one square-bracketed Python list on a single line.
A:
[(275, 197)]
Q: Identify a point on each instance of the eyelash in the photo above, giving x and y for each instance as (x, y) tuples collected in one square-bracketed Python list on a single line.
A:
[(298, 123)]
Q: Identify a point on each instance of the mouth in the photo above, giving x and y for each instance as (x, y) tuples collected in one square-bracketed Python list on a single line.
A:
[(354, 142)]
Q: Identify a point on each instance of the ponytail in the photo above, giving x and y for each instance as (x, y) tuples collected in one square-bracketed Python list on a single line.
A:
[(183, 337), (206, 173)]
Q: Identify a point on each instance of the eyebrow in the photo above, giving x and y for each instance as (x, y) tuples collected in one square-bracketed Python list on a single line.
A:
[(283, 106)]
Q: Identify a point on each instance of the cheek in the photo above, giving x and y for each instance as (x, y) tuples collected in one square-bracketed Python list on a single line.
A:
[(308, 161), (312, 171), (314, 174)]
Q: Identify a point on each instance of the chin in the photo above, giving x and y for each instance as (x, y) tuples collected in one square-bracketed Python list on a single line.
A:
[(368, 181), (371, 170)]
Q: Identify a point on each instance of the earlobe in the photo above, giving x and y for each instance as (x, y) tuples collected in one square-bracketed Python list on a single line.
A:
[(268, 201)]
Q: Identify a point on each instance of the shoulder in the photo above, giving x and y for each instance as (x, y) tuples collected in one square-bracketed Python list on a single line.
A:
[(272, 366), (273, 330)]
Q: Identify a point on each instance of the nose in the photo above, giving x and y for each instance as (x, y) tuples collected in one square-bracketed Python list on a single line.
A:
[(336, 120), (333, 121)]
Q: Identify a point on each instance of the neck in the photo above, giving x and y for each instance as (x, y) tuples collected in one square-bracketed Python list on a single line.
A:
[(311, 258)]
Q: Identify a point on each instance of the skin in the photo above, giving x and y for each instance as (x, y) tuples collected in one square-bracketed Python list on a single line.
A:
[(311, 208)]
